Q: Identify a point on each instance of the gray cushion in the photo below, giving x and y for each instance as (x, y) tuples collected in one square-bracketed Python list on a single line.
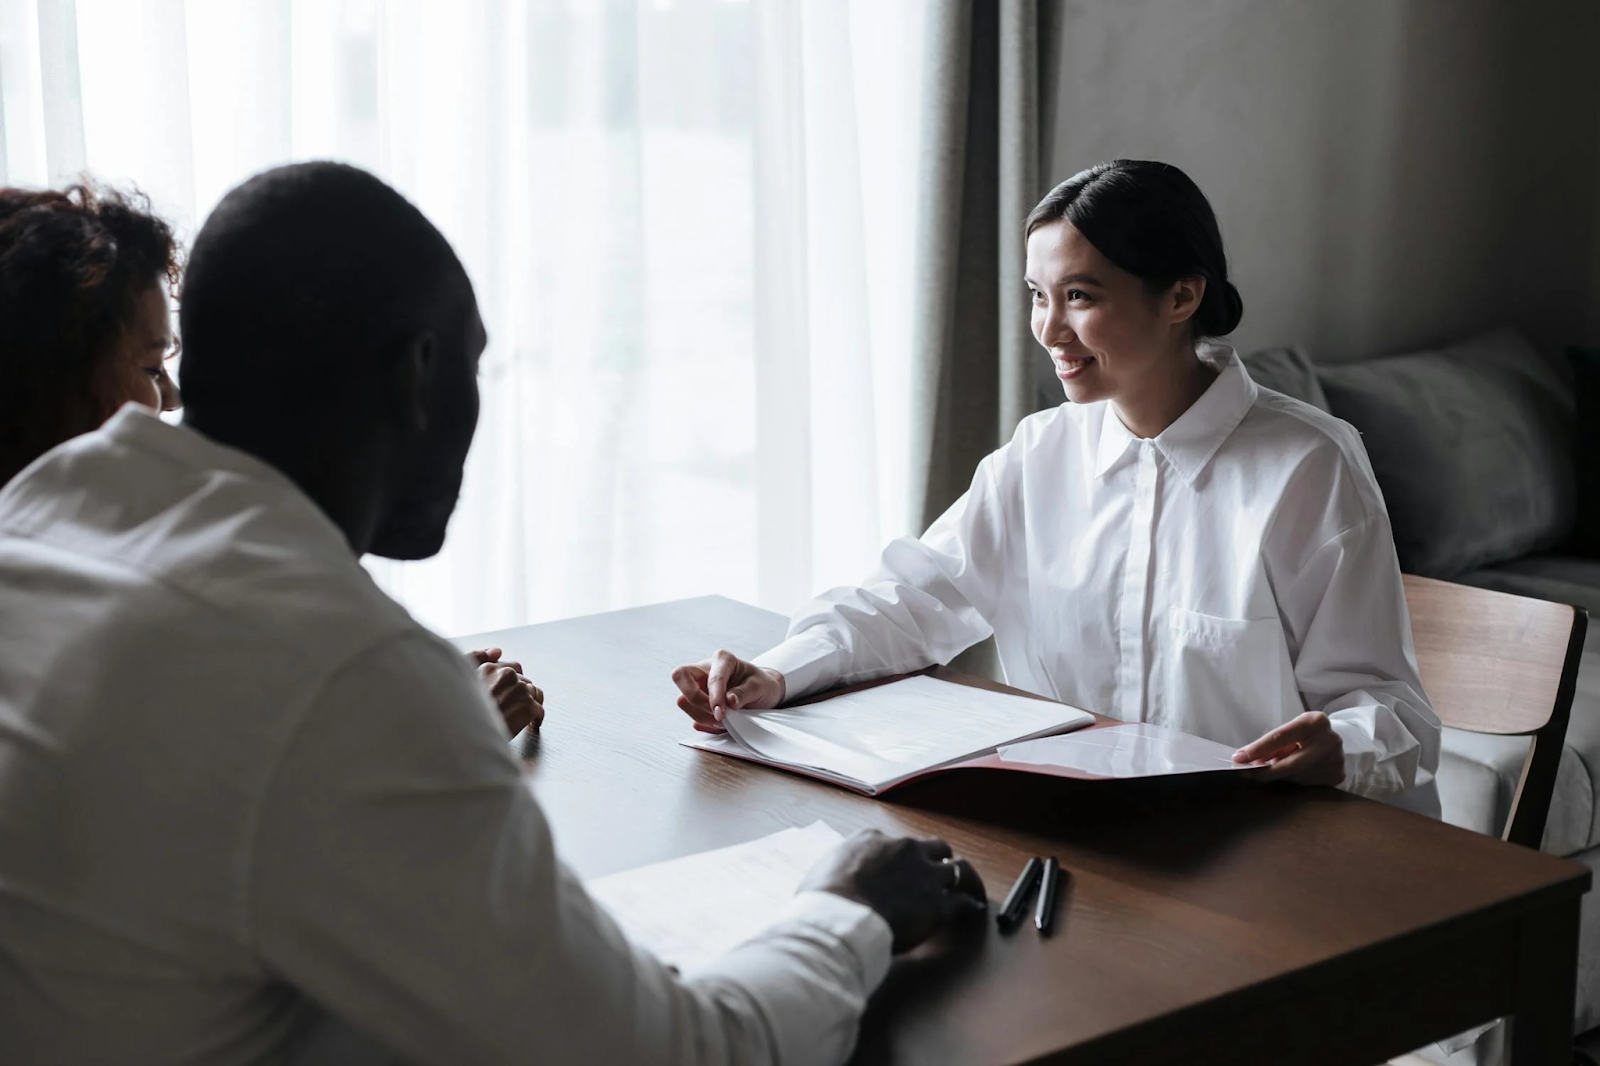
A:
[(1570, 579), (1472, 446), (1585, 366), (1289, 371), (1478, 778)]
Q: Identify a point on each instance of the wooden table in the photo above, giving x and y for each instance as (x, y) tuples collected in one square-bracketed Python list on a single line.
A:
[(1207, 921)]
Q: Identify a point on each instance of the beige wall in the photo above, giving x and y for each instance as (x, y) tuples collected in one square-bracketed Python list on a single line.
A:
[(1387, 173)]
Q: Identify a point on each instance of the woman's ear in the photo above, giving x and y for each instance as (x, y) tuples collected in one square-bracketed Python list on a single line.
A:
[(1183, 299), (418, 366)]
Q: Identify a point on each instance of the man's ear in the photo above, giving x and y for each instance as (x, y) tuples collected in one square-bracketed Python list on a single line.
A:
[(1183, 299), (419, 363)]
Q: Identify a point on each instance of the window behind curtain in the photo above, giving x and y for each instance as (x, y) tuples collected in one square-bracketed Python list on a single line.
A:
[(594, 163)]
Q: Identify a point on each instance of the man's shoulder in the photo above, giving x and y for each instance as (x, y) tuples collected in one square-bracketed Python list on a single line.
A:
[(224, 546)]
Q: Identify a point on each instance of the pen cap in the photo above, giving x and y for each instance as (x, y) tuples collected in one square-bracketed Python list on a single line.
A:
[(1016, 903), (1049, 885)]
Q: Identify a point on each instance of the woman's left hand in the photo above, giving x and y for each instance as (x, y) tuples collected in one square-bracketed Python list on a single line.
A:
[(1306, 750), (520, 702)]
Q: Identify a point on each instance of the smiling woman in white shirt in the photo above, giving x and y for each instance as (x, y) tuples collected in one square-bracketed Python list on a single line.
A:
[(1172, 545)]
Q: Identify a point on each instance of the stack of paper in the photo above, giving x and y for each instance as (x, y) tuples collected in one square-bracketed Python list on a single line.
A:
[(689, 911)]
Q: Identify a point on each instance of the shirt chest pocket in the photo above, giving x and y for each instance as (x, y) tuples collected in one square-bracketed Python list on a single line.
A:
[(1225, 679)]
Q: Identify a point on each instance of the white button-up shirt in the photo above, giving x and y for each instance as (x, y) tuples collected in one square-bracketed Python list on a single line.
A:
[(250, 811), (1220, 578)]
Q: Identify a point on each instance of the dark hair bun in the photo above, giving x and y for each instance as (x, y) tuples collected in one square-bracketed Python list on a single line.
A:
[(1220, 310)]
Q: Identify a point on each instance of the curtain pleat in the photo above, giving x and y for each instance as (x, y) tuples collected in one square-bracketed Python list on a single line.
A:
[(988, 98), (60, 90), (986, 136)]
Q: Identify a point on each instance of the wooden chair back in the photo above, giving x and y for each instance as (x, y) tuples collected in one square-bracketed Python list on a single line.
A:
[(1497, 663)]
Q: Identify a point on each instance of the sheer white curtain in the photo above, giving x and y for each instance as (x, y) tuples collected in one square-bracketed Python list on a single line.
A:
[(689, 223)]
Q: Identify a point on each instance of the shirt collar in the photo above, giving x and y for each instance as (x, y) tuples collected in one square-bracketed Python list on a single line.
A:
[(1190, 442), (142, 428), (1114, 440), (139, 427)]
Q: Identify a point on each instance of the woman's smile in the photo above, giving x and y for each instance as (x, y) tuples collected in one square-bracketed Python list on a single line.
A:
[(1068, 368)]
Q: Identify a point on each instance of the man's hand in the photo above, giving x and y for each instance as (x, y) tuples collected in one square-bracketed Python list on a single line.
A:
[(914, 885), (723, 683), (1306, 750), (520, 701)]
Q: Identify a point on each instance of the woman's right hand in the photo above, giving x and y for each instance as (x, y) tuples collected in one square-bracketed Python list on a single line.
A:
[(709, 690)]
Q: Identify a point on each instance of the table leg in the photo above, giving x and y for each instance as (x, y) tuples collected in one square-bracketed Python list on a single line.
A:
[(1547, 975)]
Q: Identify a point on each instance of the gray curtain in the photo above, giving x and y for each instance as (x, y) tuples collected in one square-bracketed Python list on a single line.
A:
[(990, 97)]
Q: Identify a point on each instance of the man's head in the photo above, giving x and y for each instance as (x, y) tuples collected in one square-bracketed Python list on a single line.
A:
[(329, 328)]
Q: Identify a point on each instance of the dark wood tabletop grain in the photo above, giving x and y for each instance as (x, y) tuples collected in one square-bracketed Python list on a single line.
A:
[(1205, 920)]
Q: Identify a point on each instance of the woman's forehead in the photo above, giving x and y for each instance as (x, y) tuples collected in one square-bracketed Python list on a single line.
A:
[(152, 313), (1057, 250)]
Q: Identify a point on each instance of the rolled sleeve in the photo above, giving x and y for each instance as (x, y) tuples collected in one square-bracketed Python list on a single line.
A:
[(837, 952), (808, 661), (1381, 757), (1345, 607), (930, 598)]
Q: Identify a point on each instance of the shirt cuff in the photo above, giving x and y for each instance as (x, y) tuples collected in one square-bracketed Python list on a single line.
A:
[(806, 662), (1368, 771), (858, 927)]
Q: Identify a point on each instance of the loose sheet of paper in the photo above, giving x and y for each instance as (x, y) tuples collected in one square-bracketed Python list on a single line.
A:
[(882, 734), (691, 910), (1135, 750)]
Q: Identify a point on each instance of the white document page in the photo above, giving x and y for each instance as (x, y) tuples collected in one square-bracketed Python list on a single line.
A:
[(1135, 750), (689, 911), (880, 736)]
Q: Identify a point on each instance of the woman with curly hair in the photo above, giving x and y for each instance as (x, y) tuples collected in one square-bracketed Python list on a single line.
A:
[(85, 327)]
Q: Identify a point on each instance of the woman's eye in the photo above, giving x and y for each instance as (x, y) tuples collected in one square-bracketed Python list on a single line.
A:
[(156, 372), (1077, 294), (1036, 296)]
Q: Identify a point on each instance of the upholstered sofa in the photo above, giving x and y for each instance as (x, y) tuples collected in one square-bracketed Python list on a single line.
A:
[(1476, 448)]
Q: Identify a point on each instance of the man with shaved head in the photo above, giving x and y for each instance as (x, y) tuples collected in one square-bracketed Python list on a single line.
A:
[(250, 811)]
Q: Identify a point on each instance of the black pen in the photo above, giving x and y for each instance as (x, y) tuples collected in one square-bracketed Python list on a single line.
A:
[(1016, 903), (1045, 916)]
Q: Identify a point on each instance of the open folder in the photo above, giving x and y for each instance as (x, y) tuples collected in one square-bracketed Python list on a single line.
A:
[(876, 739)]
